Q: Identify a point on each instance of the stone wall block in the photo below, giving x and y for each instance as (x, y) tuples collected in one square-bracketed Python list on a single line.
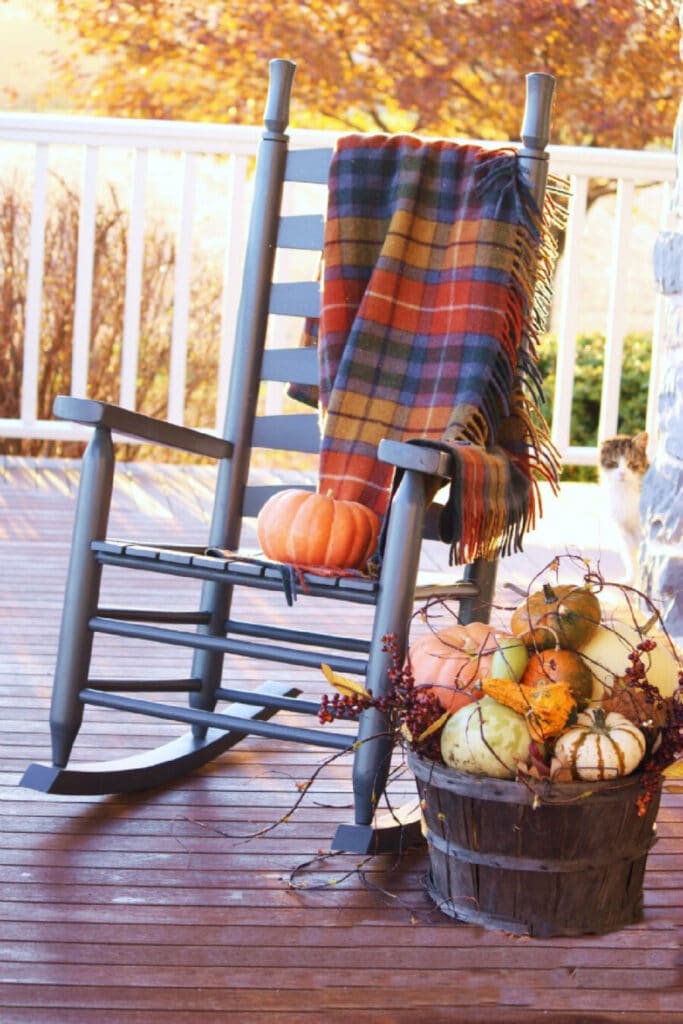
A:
[(661, 505), (668, 262)]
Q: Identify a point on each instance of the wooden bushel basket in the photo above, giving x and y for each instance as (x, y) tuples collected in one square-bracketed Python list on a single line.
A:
[(571, 865)]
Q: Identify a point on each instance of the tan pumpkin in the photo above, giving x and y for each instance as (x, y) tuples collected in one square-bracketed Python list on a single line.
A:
[(450, 663), (602, 745), (559, 616), (302, 528)]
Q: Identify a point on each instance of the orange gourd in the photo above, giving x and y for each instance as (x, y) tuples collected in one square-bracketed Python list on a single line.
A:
[(450, 663), (303, 528), (555, 666), (546, 706)]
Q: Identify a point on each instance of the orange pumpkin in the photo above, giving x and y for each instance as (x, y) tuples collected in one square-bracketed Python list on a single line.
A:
[(302, 528), (450, 663), (560, 616), (559, 666)]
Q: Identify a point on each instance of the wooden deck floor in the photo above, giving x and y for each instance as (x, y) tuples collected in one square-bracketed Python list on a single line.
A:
[(169, 906)]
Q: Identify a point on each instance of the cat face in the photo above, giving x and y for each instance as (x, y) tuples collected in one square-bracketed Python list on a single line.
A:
[(624, 457)]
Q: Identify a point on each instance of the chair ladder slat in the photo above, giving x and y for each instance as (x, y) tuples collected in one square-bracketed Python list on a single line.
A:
[(298, 432), (308, 166), (301, 231), (291, 364), (297, 298)]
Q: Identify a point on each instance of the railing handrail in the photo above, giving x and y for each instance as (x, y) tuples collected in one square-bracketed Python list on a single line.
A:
[(188, 136), (211, 137)]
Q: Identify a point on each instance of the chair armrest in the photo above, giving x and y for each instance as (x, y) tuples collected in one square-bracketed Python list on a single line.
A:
[(419, 458), (135, 424)]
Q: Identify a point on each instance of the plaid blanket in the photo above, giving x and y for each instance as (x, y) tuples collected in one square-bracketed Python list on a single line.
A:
[(427, 331)]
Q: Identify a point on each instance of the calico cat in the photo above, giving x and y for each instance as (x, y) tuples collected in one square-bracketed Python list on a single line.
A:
[(623, 463)]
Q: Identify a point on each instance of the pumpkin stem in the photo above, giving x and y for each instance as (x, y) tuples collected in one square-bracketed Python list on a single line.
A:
[(549, 594), (599, 719)]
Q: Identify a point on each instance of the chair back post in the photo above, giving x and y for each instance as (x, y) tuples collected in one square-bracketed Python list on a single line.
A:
[(535, 133), (250, 339), (533, 161), (252, 317)]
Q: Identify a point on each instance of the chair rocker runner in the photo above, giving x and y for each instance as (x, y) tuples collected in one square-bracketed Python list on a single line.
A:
[(220, 714)]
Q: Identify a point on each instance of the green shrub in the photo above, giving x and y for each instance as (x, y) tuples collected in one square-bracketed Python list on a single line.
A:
[(590, 352)]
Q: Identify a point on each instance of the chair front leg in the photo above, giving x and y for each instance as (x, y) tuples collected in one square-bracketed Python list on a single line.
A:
[(372, 759), (81, 594), (207, 666)]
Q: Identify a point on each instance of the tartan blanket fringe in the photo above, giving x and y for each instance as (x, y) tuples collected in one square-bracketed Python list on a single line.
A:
[(436, 286), (492, 527)]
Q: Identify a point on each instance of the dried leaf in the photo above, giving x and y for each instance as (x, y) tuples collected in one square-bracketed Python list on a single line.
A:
[(346, 686), (434, 727)]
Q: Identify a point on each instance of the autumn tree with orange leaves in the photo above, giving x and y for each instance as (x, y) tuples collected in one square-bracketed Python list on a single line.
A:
[(451, 67)]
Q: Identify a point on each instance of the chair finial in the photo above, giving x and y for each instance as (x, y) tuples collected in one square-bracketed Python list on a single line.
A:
[(276, 116), (539, 97)]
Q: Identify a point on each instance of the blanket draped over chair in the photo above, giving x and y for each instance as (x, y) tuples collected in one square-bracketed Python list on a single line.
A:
[(433, 254)]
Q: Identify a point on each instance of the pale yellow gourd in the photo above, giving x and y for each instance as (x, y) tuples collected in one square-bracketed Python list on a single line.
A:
[(607, 656)]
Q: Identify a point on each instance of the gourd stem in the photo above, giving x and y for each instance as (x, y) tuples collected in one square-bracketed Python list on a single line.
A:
[(650, 623), (549, 594)]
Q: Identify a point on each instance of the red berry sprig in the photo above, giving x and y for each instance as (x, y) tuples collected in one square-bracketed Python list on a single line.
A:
[(408, 708), (669, 747)]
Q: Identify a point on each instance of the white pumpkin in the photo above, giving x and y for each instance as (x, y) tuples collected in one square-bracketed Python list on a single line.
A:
[(485, 738), (600, 746), (606, 654)]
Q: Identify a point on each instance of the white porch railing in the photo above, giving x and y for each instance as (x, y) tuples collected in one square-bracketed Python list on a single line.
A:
[(128, 149)]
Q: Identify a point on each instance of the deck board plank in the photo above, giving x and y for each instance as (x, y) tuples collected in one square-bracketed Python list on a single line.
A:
[(176, 905)]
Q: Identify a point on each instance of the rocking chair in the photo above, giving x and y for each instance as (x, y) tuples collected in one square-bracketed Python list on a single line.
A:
[(220, 714)]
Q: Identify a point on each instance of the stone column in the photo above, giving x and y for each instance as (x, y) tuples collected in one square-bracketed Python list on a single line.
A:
[(662, 496)]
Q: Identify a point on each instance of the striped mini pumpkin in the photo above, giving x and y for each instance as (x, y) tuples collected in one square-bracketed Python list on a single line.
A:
[(601, 745)]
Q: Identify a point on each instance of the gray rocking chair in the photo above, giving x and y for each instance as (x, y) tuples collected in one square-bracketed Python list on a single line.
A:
[(219, 714)]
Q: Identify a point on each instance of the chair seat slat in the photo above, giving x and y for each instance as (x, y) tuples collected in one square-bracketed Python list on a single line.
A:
[(246, 572)]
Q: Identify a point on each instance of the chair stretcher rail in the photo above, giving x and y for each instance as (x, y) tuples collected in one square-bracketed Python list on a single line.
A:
[(218, 720), (225, 645)]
